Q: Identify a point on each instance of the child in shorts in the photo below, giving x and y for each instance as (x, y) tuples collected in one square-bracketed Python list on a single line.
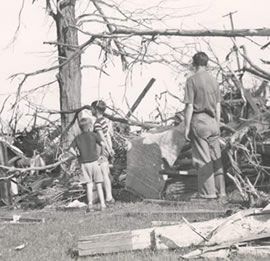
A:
[(85, 145), (102, 130)]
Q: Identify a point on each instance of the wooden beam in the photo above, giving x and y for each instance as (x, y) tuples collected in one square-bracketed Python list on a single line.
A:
[(242, 227), (160, 223), (264, 32), (141, 96), (149, 238), (18, 220), (178, 212), (115, 242), (165, 202)]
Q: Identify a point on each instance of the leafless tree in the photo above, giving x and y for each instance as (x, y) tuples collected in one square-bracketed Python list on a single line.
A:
[(132, 32)]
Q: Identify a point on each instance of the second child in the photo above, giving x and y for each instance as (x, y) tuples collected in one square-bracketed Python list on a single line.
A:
[(85, 145)]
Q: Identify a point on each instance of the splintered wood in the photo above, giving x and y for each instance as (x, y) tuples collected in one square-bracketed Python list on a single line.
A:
[(244, 226), (149, 238)]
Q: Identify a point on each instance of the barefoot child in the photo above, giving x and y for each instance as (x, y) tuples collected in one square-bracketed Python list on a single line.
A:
[(86, 146)]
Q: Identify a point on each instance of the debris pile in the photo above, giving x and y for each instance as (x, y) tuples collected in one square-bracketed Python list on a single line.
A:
[(156, 161), (245, 231)]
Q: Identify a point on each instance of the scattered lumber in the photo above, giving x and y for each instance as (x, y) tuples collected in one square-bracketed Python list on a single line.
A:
[(149, 238), (202, 251), (214, 234)]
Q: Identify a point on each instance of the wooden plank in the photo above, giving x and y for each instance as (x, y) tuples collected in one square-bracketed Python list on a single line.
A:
[(149, 238), (5, 192), (254, 250), (5, 187), (160, 223), (182, 235), (140, 97), (17, 219), (245, 250), (246, 229), (115, 242), (165, 202), (177, 212)]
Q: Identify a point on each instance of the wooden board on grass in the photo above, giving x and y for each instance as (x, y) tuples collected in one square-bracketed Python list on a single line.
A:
[(115, 242), (149, 238), (242, 226)]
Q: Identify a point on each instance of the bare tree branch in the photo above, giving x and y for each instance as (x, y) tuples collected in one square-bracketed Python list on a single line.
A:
[(22, 170), (195, 33), (18, 26), (111, 29)]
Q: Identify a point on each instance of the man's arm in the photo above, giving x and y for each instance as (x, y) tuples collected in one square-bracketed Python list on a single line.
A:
[(188, 100), (188, 116)]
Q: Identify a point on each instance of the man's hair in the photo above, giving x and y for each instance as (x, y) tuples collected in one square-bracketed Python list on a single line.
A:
[(200, 59), (85, 124), (99, 105)]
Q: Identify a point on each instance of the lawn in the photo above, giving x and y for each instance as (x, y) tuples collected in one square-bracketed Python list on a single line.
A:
[(56, 239)]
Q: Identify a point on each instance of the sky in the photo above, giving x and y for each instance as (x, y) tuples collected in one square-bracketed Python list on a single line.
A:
[(29, 53)]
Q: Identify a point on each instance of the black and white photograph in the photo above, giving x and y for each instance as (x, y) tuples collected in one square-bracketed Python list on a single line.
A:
[(135, 130)]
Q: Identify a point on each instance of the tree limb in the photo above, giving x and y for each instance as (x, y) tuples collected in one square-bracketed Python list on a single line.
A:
[(196, 33), (111, 29), (22, 170)]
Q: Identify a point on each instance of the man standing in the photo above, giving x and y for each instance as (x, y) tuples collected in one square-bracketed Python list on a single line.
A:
[(202, 117)]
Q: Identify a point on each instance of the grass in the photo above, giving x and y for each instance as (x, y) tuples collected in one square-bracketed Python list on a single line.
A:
[(56, 239)]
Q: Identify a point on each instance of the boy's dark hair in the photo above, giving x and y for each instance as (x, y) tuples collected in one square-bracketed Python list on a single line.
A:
[(200, 59), (84, 124), (99, 105)]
